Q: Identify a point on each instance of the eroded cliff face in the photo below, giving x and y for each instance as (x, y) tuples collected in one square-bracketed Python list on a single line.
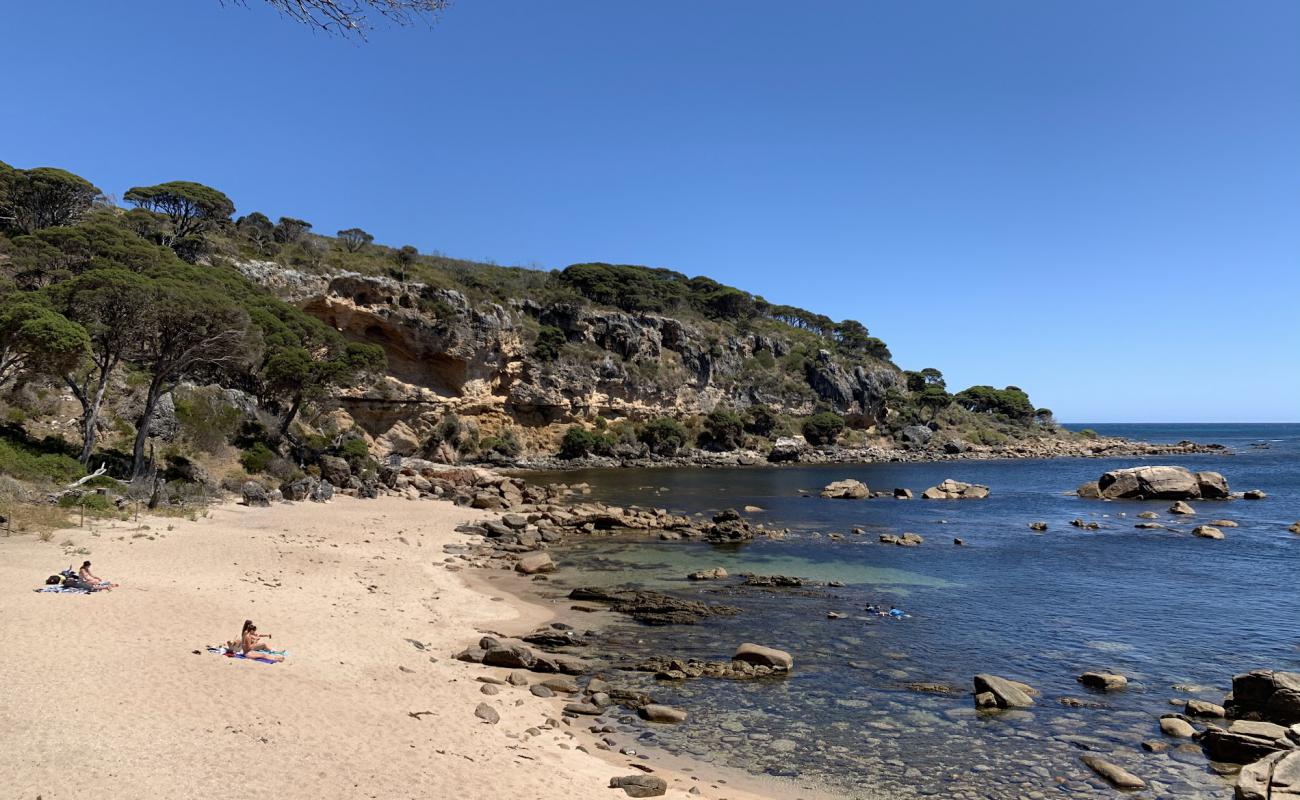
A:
[(447, 354)]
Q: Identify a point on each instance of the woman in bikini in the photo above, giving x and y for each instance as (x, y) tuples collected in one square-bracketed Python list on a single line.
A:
[(94, 580), (250, 643)]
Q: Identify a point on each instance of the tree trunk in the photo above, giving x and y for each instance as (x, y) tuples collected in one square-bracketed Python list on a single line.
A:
[(142, 428), (290, 415), (90, 406)]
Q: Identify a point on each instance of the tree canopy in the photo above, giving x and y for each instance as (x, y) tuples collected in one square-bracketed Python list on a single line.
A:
[(43, 197), (190, 208)]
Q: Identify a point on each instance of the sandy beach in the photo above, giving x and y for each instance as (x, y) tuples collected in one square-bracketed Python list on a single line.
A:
[(104, 695)]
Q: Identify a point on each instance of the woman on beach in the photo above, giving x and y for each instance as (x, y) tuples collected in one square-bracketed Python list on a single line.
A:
[(250, 643), (96, 583)]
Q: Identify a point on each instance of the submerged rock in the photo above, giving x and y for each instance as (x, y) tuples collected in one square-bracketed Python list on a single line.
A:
[(1115, 775), (652, 608), (717, 573)]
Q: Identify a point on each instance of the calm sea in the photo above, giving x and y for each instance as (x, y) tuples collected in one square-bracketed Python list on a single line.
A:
[(1177, 614)]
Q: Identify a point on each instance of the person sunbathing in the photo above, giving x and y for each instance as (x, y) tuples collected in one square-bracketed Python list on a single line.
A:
[(251, 644), (96, 583)]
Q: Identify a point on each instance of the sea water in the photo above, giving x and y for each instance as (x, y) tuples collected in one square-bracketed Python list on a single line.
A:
[(1178, 615)]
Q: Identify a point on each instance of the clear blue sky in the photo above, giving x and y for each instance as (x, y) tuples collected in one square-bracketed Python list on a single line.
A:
[(1097, 201)]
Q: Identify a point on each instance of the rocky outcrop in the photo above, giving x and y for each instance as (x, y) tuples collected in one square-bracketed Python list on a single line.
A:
[(652, 608), (1275, 777), (1266, 695), (1157, 483), (955, 490)]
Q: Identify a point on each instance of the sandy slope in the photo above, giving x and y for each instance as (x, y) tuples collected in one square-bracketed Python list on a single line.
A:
[(102, 696)]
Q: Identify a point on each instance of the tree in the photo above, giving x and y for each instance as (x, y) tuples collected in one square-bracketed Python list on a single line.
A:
[(113, 307), (933, 398), (32, 199), (1011, 402), (35, 339), (347, 17), (723, 430), (289, 230), (823, 428), (190, 208), (295, 376), (258, 229), (194, 328), (663, 435), (579, 442), (404, 258), (354, 239), (1045, 417)]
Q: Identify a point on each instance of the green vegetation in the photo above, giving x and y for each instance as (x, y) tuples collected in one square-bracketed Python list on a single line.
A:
[(579, 442), (664, 436), (46, 462), (1011, 402), (723, 430), (823, 428)]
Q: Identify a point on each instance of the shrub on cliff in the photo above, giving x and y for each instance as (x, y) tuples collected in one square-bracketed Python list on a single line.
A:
[(579, 442), (823, 428), (506, 443), (723, 430), (664, 436), (550, 341), (761, 421)]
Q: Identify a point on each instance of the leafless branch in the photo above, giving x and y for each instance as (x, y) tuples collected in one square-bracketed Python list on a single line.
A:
[(353, 17)]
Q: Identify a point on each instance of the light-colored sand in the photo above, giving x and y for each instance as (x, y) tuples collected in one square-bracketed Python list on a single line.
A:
[(102, 696)]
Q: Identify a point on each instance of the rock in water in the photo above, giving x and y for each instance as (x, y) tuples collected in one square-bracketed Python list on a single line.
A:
[(846, 490), (664, 714), (1006, 693), (1207, 532), (1295, 527), (1253, 494), (761, 656), (717, 573), (640, 785), (1176, 727), (533, 563), (1203, 708), (1115, 775), (1103, 681), (1275, 777), (1038, 526), (1150, 483), (906, 494), (1181, 508), (487, 713), (1212, 486), (955, 490)]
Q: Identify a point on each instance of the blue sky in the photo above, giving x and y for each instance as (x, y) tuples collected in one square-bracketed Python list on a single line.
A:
[(1099, 202)]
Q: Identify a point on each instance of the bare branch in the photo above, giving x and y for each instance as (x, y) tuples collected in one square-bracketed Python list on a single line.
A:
[(349, 17)]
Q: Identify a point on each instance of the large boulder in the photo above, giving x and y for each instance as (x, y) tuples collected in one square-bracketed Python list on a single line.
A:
[(788, 448), (848, 489), (514, 657), (761, 656), (662, 714), (533, 563), (254, 494), (916, 435), (956, 490), (1267, 695), (1245, 742), (335, 470), (1005, 693), (1275, 777), (1213, 486), (1152, 483)]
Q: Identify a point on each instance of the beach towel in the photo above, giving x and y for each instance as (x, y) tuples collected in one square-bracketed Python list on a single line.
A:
[(228, 653), (60, 590)]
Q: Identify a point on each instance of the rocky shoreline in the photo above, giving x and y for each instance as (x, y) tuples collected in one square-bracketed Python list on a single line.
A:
[(795, 451)]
